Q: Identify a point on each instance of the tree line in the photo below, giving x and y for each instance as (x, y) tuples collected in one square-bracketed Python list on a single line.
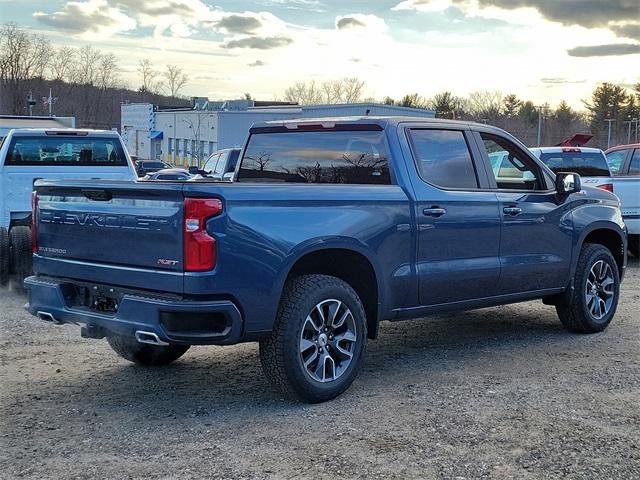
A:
[(523, 118), (85, 82)]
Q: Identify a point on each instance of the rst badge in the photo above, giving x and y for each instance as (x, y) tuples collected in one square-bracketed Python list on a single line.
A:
[(167, 263)]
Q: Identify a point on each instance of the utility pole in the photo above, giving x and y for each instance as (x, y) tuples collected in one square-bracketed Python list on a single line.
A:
[(50, 100), (629, 133), (31, 103), (539, 125), (609, 121)]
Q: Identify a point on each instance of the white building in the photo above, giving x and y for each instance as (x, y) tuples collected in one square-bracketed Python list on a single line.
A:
[(188, 136)]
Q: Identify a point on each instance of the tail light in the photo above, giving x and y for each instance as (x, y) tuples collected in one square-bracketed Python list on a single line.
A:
[(606, 186), (199, 246), (34, 222)]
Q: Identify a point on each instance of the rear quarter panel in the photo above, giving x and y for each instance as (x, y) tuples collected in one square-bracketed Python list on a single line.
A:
[(266, 228)]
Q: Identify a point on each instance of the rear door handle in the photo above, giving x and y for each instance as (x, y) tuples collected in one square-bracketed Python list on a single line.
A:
[(434, 212), (512, 210)]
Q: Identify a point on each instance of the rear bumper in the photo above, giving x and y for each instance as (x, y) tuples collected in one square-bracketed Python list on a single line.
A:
[(173, 320)]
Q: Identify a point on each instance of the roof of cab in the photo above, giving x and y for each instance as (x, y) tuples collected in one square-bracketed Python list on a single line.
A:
[(382, 121), (566, 149)]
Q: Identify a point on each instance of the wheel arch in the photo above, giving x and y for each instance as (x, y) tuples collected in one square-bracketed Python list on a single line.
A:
[(609, 235), (350, 263)]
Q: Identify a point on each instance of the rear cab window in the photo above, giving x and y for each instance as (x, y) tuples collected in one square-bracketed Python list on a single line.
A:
[(59, 150), (356, 154), (586, 164)]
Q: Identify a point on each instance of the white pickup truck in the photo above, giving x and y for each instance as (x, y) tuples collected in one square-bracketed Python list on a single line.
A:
[(27, 155), (624, 161)]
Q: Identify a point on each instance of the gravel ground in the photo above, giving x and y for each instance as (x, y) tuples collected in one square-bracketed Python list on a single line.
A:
[(495, 393)]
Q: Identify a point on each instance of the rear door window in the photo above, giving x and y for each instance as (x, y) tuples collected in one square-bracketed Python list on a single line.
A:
[(443, 158), (69, 151), (586, 164), (349, 156), (634, 167), (616, 160)]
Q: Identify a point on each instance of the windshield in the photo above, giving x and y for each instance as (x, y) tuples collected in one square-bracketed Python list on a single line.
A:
[(586, 164)]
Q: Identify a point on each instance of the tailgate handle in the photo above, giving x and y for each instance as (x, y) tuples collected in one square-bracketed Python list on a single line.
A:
[(97, 195)]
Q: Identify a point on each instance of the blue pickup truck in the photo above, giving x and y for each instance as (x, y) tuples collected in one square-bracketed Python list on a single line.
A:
[(330, 227)]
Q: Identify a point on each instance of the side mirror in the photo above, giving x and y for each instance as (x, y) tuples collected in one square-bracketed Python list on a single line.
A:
[(193, 170), (567, 183), (228, 177)]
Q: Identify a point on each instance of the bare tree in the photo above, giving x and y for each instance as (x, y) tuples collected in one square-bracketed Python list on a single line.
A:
[(106, 71), (62, 62), (86, 66), (261, 159), (22, 56), (148, 76), (197, 122), (486, 104), (175, 79), (346, 90)]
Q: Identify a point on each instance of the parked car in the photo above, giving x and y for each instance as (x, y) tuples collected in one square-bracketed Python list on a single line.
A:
[(219, 164), (169, 174), (589, 163), (328, 229), (144, 167), (30, 154), (624, 161)]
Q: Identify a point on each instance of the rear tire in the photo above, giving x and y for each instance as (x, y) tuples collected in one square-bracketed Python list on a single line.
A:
[(144, 354), (634, 245), (316, 346), (596, 290), (21, 254), (5, 264)]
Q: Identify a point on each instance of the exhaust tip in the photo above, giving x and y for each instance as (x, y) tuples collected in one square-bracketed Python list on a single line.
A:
[(149, 338), (47, 317)]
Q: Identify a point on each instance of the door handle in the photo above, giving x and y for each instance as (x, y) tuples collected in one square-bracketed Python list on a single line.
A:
[(512, 210), (434, 212)]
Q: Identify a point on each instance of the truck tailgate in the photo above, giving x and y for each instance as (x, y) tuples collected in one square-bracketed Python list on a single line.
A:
[(120, 230)]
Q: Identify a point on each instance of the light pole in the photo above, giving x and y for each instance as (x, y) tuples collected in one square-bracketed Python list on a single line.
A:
[(636, 120), (609, 121)]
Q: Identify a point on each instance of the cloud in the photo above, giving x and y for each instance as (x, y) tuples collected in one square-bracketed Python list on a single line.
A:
[(423, 5), (259, 43), (94, 16), (257, 63), (161, 8), (629, 30), (605, 50), (584, 13), (359, 21), (349, 22), (239, 23), (309, 5), (559, 81)]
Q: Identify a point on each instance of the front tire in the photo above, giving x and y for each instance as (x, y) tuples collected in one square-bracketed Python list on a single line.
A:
[(316, 346), (144, 354), (596, 290)]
